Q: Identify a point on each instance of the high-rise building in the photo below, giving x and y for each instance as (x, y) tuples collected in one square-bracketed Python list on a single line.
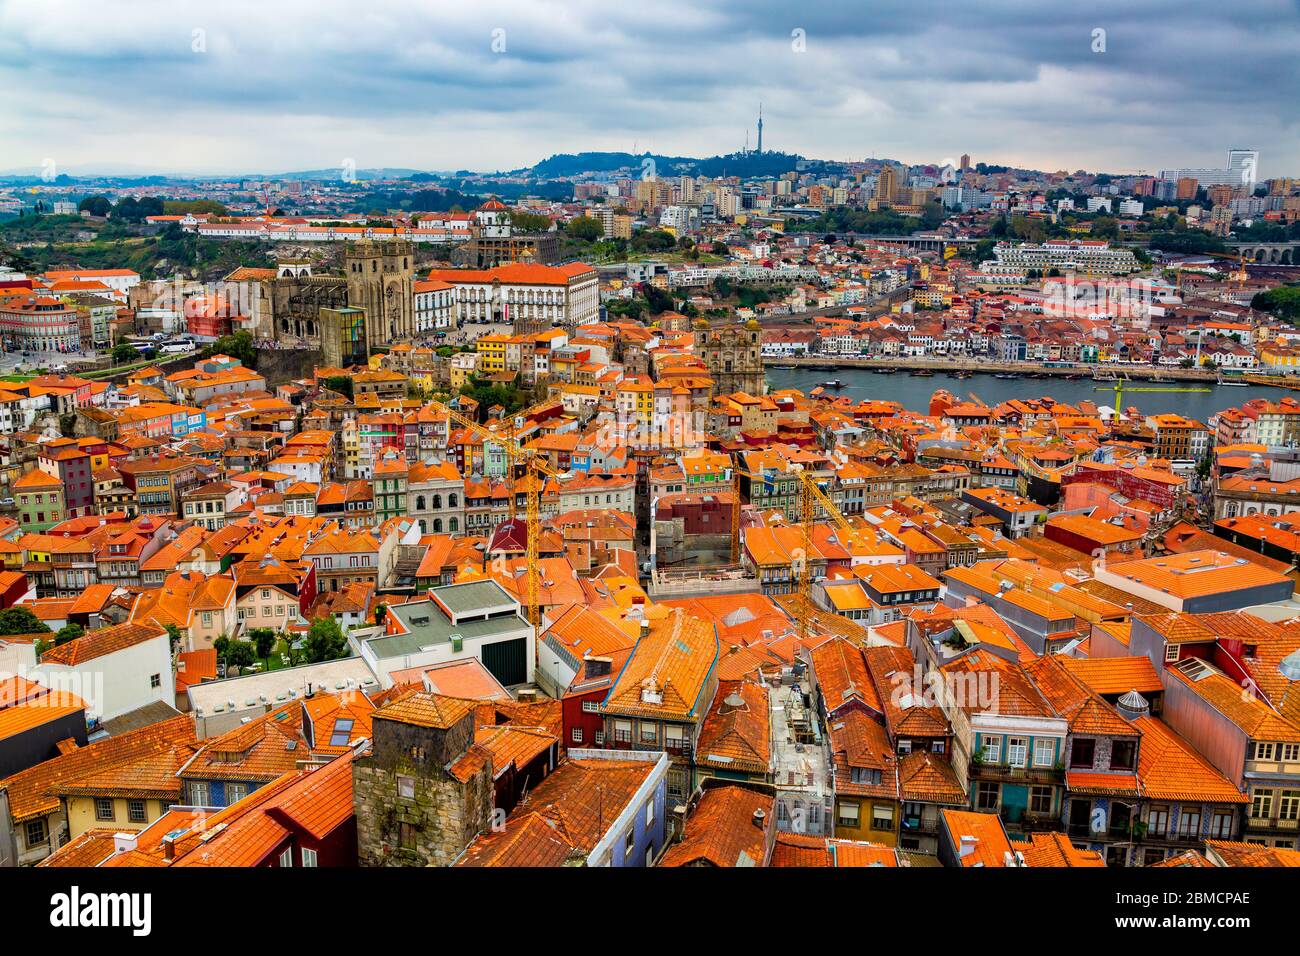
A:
[(760, 128), (887, 184), (965, 162)]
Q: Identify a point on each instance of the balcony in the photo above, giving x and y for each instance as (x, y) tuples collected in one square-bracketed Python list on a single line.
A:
[(1005, 773)]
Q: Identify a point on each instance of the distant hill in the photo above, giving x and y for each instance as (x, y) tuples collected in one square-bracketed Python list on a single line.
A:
[(737, 164)]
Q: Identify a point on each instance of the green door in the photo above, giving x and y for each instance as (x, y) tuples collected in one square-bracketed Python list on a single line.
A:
[(507, 660)]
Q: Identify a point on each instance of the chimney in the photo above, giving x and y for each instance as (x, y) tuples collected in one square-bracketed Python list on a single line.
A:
[(124, 842), (598, 666), (169, 847), (967, 846), (645, 628), (760, 818)]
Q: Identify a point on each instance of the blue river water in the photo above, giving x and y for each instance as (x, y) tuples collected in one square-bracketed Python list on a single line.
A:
[(914, 391)]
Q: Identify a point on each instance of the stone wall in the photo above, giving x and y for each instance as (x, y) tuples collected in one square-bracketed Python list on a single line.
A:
[(278, 366), (434, 825)]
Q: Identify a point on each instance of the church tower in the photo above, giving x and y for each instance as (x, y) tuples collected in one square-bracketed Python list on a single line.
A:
[(380, 278)]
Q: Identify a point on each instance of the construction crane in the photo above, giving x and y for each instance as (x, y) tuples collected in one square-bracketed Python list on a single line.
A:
[(534, 473), (811, 495), (508, 439), (1118, 388), (736, 475)]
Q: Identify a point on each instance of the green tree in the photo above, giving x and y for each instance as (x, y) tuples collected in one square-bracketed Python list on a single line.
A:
[(239, 345), (174, 634), (240, 654), (263, 642), (1284, 302), (95, 205), (584, 228), (529, 221), (339, 383), (325, 641), (124, 353), (69, 632), (20, 620)]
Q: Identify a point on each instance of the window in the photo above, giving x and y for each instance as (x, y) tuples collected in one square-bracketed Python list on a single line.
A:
[(342, 732), (286, 858), (904, 747), (986, 796), (1040, 799), (937, 746), (36, 833), (848, 815), (600, 737), (198, 794), (1158, 821), (1189, 824), (992, 749), (1290, 753), (1044, 751), (235, 792), (406, 835), (1017, 751), (649, 732), (623, 731), (629, 842), (590, 707), (1261, 807), (865, 775), (136, 811), (1171, 652), (674, 737), (1289, 807), (406, 788), (1263, 751), (577, 735), (1221, 826), (308, 857), (882, 817), (155, 680), (104, 809), (1123, 755), (649, 814), (1082, 751)]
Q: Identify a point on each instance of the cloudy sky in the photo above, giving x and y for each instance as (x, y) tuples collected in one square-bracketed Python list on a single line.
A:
[(274, 85)]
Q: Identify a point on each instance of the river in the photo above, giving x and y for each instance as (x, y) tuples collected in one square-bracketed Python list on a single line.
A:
[(914, 392)]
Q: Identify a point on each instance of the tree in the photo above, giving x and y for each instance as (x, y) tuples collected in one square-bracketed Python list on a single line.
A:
[(529, 222), (264, 642), (96, 206), (584, 228), (20, 620), (239, 345), (69, 632), (240, 654), (174, 633), (339, 383), (124, 353), (1284, 302), (325, 641)]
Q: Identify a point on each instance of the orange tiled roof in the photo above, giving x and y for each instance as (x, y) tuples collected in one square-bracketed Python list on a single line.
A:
[(1169, 768), (722, 830)]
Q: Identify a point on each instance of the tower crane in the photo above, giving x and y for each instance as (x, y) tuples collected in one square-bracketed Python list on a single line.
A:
[(534, 473), (1118, 388), (812, 495)]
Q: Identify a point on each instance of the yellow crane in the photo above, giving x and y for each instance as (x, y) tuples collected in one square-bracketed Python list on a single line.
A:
[(1118, 388), (811, 494), (508, 438), (534, 474)]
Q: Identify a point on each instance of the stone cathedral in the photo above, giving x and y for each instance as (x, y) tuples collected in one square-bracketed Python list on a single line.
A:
[(297, 309)]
